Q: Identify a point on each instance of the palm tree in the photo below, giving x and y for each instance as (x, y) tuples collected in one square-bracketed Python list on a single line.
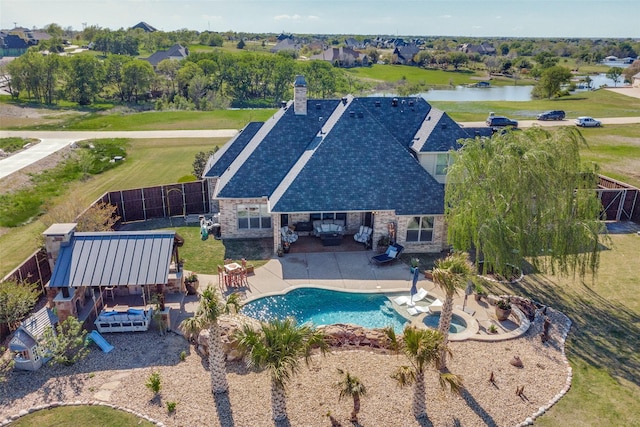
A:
[(210, 309), (350, 385), (450, 274), (278, 347), (423, 348)]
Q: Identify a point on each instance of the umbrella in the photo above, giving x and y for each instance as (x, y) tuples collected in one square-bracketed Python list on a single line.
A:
[(468, 291), (414, 286)]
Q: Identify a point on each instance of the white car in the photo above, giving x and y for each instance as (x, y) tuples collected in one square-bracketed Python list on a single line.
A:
[(588, 122)]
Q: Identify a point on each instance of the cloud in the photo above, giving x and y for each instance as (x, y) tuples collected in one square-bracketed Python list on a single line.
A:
[(295, 17)]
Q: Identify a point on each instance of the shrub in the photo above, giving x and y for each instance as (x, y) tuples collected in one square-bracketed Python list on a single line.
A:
[(504, 304), (171, 406), (183, 355), (67, 345), (153, 383)]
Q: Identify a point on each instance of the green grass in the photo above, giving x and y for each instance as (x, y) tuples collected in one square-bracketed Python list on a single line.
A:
[(602, 343), (160, 120), (395, 73), (81, 416), (9, 145), (599, 103)]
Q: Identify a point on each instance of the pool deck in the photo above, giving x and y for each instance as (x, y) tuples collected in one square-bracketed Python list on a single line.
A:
[(353, 271)]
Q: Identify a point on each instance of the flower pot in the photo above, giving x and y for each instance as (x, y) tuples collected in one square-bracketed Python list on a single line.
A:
[(192, 287), (502, 314), (478, 297), (428, 274)]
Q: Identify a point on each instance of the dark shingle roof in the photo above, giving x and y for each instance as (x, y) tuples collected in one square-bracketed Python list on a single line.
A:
[(278, 152), (362, 166), (227, 154), (114, 258)]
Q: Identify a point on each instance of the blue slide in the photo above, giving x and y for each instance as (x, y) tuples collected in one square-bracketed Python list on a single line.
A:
[(100, 341)]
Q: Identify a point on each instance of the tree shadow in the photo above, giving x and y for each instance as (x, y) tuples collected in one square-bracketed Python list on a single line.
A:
[(602, 329), (424, 421), (223, 409), (282, 423), (477, 408)]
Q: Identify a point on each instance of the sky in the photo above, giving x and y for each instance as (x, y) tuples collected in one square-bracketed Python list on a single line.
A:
[(475, 18)]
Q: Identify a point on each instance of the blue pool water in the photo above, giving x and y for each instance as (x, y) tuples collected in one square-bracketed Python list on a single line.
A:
[(324, 307), (457, 323)]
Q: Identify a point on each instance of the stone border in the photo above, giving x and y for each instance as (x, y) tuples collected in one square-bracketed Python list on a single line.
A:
[(563, 332), (7, 421)]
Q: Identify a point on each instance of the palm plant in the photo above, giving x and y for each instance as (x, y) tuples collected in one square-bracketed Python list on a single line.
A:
[(350, 386), (278, 347), (450, 275), (423, 348), (209, 311)]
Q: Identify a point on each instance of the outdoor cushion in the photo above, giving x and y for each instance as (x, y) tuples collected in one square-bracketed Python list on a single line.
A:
[(417, 309), (135, 311), (391, 252), (402, 300)]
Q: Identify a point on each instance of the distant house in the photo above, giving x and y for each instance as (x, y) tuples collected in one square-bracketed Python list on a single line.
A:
[(286, 44), (356, 161), (35, 37), (176, 52), (145, 27), (611, 58), (404, 54), (12, 45), (352, 43), (342, 57), (26, 344), (483, 48), (635, 80)]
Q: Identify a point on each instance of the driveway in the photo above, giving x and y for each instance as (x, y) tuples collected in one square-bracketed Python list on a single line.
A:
[(52, 141)]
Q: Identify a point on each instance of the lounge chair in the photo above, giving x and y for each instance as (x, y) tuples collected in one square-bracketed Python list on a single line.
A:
[(420, 295), (417, 309), (393, 253), (436, 305), (402, 300)]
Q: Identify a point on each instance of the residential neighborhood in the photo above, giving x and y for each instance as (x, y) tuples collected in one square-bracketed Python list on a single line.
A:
[(205, 210)]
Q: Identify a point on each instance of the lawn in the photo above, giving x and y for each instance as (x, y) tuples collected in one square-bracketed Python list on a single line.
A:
[(598, 103), (102, 416), (395, 73)]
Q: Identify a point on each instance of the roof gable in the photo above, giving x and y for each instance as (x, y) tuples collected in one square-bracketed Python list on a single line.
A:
[(223, 158)]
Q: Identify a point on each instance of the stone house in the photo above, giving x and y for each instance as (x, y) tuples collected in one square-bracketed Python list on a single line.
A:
[(373, 161)]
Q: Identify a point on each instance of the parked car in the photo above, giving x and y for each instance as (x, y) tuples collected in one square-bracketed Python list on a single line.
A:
[(552, 115), (500, 122), (588, 122)]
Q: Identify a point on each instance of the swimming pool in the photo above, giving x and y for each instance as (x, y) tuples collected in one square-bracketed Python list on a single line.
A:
[(458, 324), (325, 307)]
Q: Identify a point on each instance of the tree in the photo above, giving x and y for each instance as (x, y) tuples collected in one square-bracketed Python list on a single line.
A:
[(241, 44), (525, 195), (423, 348), (137, 76), (351, 386), (98, 217), (67, 344), (201, 160), (550, 82), (85, 77), (210, 309), (450, 275), (16, 301), (614, 74), (278, 347)]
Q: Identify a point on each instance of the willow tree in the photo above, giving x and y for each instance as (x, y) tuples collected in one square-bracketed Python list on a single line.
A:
[(525, 195)]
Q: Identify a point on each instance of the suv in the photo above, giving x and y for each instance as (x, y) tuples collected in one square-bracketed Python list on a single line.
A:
[(500, 122), (551, 115), (588, 122)]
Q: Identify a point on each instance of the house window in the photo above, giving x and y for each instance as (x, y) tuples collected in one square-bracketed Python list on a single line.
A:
[(253, 216), (442, 164), (328, 215), (420, 229)]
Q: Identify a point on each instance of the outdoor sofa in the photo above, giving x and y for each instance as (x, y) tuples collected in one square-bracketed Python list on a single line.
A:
[(132, 320)]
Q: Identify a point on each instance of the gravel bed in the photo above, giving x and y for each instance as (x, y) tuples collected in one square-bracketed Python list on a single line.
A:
[(120, 378)]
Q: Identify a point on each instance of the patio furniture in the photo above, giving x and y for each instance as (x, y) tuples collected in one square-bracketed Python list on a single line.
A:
[(417, 309), (288, 235), (363, 235), (131, 320), (393, 253), (108, 290), (331, 239)]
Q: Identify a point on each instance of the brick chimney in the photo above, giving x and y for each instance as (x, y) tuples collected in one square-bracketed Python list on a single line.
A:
[(300, 96), (54, 237)]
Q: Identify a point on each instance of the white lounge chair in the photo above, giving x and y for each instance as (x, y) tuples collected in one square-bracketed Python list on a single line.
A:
[(436, 305), (417, 309), (420, 295), (402, 300)]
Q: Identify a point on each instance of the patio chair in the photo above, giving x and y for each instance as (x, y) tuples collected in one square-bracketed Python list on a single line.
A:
[(363, 235), (420, 295), (288, 235), (393, 253), (417, 309)]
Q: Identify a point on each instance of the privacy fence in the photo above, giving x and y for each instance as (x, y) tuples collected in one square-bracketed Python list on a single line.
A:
[(620, 201)]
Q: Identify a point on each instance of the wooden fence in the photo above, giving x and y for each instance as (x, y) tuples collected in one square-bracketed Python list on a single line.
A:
[(163, 201), (620, 201)]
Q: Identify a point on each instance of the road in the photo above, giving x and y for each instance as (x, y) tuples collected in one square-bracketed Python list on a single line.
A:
[(52, 141)]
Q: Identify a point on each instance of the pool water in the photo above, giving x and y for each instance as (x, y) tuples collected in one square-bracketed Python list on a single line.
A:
[(457, 323), (324, 307)]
